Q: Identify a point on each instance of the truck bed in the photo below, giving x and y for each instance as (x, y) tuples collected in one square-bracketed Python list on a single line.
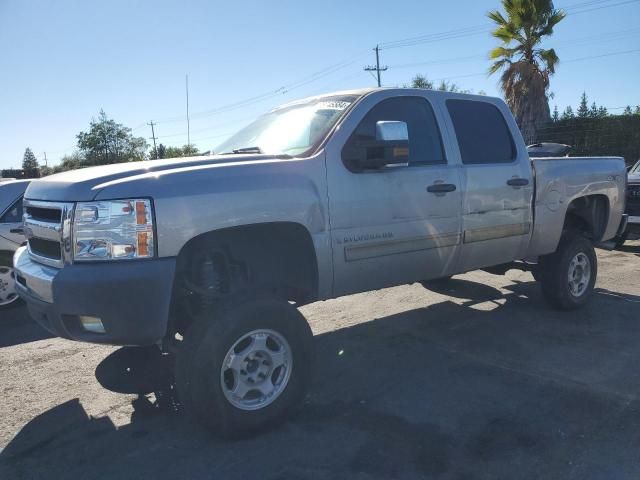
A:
[(561, 180)]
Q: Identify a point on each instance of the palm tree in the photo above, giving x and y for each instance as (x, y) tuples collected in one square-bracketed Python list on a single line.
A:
[(525, 66)]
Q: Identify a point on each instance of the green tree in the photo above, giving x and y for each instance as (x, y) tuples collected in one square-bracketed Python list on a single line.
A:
[(162, 151), (189, 150), (567, 114), (556, 115), (637, 110), (184, 151), (70, 162), (602, 112), (627, 110), (45, 171), (30, 164), (109, 142), (526, 68), (420, 81), (583, 108)]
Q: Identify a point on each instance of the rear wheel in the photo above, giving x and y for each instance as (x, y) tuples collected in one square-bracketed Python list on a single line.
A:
[(568, 275), (8, 295), (247, 367)]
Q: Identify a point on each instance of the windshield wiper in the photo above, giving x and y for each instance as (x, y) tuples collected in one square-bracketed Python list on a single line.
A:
[(247, 150)]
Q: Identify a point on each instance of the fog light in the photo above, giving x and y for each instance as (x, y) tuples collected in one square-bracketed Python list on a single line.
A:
[(91, 324)]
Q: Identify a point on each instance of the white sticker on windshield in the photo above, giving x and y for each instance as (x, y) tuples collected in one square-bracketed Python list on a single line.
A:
[(332, 105)]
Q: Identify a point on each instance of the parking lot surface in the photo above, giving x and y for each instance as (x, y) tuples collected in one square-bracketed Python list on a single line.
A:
[(474, 379)]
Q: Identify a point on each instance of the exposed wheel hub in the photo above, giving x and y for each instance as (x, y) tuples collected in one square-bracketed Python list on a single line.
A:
[(579, 274), (256, 369)]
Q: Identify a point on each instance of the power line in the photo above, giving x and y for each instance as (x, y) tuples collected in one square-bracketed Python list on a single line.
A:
[(485, 28), (480, 56), (270, 94), (610, 54)]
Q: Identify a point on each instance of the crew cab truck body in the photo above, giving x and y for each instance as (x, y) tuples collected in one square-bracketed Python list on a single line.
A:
[(320, 198)]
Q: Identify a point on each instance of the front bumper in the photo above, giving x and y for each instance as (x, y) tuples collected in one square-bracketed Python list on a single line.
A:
[(131, 298)]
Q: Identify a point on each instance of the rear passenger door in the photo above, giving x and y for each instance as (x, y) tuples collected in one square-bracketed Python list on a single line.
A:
[(497, 184)]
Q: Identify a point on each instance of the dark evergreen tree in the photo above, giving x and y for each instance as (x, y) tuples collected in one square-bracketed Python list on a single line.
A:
[(30, 164), (583, 108), (568, 113)]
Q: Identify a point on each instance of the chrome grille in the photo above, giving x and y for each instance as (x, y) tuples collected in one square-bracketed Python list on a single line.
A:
[(47, 226)]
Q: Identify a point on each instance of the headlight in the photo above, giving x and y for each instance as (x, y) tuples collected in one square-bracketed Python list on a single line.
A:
[(112, 230)]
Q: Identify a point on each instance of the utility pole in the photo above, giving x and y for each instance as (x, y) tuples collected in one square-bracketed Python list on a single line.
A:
[(45, 160), (153, 135), (377, 68), (188, 132)]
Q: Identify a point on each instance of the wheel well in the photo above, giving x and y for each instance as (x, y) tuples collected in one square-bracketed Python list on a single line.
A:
[(589, 215), (269, 256)]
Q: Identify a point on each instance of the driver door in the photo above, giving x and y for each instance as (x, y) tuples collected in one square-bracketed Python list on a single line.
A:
[(399, 223)]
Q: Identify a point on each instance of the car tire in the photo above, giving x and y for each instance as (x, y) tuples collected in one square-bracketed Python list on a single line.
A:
[(568, 275), (8, 296), (245, 366)]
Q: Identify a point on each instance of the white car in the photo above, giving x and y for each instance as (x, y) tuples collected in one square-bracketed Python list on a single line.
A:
[(11, 237)]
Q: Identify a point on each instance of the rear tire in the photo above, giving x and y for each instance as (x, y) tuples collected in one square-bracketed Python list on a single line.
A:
[(568, 275), (246, 368)]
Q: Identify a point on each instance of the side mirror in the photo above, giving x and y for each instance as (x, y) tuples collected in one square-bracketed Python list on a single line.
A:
[(390, 148), (392, 131)]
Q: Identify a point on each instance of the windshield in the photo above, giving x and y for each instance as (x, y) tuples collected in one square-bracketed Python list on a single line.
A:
[(636, 167), (290, 130)]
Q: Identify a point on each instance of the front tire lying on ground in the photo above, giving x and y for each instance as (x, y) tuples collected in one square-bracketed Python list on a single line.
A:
[(245, 367), (568, 275)]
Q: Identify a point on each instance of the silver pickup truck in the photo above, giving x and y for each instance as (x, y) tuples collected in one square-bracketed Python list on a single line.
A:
[(208, 257)]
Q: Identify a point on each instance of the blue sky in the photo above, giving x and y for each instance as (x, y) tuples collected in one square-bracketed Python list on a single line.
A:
[(62, 61)]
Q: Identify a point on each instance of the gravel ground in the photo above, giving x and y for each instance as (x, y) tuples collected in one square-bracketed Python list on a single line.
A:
[(475, 379)]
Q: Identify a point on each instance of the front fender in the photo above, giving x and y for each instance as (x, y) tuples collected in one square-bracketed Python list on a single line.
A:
[(195, 200)]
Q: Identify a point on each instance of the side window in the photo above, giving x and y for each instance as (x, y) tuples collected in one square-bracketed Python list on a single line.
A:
[(483, 135), (425, 143), (14, 214)]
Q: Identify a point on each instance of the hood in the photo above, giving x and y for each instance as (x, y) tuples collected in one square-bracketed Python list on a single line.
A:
[(86, 183)]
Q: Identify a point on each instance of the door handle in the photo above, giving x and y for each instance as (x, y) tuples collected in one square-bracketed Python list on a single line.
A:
[(19, 231), (517, 182), (441, 188)]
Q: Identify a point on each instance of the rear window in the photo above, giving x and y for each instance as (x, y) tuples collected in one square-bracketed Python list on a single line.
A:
[(482, 133)]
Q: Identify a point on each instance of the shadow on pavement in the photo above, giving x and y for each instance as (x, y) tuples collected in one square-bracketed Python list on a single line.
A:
[(17, 327), (446, 391), (631, 247)]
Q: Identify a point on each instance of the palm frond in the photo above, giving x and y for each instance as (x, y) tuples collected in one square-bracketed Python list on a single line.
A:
[(549, 58), (498, 65), (497, 17), (507, 53)]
